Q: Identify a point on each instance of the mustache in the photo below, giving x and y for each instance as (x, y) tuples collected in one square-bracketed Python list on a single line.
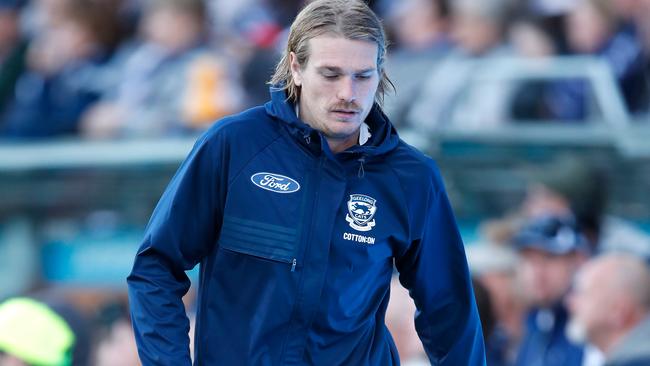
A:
[(346, 107)]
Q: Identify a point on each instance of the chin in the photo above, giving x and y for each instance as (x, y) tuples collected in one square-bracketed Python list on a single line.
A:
[(340, 133)]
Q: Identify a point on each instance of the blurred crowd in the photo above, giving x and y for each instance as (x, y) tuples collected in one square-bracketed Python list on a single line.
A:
[(558, 281), (455, 48), (151, 68)]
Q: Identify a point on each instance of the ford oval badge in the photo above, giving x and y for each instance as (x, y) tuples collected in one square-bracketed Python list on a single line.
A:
[(275, 182)]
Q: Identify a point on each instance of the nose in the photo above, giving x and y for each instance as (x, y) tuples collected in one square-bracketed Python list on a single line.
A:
[(346, 90)]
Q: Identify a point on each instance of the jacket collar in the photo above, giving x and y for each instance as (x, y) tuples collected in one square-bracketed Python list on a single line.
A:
[(384, 138)]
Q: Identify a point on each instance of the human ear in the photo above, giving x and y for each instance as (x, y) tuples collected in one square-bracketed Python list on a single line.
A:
[(296, 72)]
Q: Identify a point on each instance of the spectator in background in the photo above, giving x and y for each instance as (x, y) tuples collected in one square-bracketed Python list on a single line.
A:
[(494, 271), (530, 40), (60, 80), (478, 29), (401, 324), (549, 15), (167, 83), (13, 49), (78, 322), (592, 28), (420, 29), (254, 33), (551, 250), (31, 333), (262, 34), (116, 345), (610, 308), (569, 186)]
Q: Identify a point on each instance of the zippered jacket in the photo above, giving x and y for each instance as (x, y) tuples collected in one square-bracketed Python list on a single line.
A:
[(297, 247)]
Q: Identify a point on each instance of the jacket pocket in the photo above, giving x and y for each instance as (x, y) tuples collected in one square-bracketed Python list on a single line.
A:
[(259, 239)]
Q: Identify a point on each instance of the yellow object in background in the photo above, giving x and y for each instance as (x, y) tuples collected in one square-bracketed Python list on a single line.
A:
[(202, 102), (34, 333)]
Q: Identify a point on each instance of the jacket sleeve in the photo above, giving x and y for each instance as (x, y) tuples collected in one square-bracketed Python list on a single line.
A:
[(182, 230), (434, 270)]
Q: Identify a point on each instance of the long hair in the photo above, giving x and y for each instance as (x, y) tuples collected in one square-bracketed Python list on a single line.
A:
[(351, 19)]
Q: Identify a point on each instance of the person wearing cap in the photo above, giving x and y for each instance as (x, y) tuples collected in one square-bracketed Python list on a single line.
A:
[(573, 186), (569, 185), (31, 333), (551, 250)]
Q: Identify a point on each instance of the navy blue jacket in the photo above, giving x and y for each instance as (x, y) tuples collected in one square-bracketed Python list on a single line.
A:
[(545, 342), (296, 249)]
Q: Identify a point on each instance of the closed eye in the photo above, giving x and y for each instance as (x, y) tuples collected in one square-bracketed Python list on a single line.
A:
[(365, 74), (331, 77)]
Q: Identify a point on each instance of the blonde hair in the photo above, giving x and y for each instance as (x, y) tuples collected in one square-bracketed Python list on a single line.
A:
[(351, 19)]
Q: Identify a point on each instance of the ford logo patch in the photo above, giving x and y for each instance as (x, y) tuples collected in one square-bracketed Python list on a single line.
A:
[(275, 182)]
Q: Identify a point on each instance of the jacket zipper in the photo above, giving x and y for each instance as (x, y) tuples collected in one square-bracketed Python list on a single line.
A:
[(308, 234), (293, 261)]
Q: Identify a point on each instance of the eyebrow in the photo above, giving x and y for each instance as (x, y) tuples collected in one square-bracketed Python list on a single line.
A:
[(338, 70)]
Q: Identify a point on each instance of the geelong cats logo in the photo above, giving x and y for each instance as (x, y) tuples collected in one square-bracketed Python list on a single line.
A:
[(361, 210)]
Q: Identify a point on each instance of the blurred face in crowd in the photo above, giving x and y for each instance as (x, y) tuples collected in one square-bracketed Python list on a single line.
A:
[(416, 23), (611, 296), (530, 41), (587, 29), (76, 40), (593, 306), (546, 277), (337, 87), (8, 30), (172, 29), (118, 348), (61, 46), (501, 286), (475, 34)]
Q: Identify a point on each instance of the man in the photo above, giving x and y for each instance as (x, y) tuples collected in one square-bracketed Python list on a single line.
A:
[(297, 212), (610, 308), (551, 251)]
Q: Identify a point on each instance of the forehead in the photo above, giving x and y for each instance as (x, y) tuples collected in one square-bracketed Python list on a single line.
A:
[(602, 271), (537, 254), (339, 52)]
